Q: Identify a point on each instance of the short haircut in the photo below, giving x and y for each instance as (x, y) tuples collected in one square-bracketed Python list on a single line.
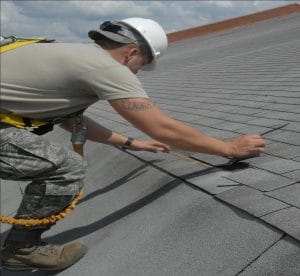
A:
[(107, 44)]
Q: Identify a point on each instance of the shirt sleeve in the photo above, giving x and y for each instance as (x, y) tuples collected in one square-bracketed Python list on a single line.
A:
[(114, 82)]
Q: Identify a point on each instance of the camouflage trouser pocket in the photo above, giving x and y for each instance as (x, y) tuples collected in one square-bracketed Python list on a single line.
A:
[(20, 164), (26, 156)]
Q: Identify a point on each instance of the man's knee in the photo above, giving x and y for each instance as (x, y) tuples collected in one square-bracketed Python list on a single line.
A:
[(74, 167), (68, 178)]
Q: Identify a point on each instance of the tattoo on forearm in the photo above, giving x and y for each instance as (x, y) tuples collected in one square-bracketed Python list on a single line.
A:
[(141, 105)]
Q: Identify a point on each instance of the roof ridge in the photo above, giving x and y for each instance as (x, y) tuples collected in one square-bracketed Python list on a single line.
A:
[(233, 23)]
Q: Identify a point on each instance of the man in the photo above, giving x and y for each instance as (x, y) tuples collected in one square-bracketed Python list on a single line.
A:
[(46, 81)]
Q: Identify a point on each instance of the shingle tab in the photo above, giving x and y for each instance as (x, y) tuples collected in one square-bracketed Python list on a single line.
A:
[(284, 136), (294, 175), (182, 167), (210, 159), (213, 182), (282, 258), (283, 150), (265, 122), (289, 195), (247, 129), (251, 201), (260, 180), (287, 219), (280, 165)]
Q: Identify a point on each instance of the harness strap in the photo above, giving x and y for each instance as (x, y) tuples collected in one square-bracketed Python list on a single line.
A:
[(20, 122), (18, 42)]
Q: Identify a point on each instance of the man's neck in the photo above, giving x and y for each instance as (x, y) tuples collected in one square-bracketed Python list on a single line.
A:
[(118, 55)]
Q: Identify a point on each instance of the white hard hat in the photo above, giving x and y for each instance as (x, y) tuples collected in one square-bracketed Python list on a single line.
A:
[(153, 34), (133, 30)]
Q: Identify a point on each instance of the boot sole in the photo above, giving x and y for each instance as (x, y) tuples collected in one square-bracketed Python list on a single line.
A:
[(19, 267)]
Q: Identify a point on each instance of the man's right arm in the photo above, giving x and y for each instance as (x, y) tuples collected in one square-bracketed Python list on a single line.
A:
[(144, 115)]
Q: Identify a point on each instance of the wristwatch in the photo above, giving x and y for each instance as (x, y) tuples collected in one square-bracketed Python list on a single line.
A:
[(127, 144)]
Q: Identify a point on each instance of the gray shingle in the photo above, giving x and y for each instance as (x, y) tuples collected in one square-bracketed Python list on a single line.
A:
[(293, 126), (287, 219), (259, 179), (289, 195), (213, 181), (229, 125), (245, 110), (282, 258), (284, 136), (283, 107), (294, 175), (278, 115), (170, 229), (211, 159), (280, 165), (238, 118), (182, 167), (251, 201), (248, 129), (265, 122), (283, 150), (262, 159), (206, 121)]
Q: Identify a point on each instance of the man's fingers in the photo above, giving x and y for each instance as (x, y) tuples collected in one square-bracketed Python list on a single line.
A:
[(255, 136), (158, 147), (260, 143), (161, 147), (258, 140), (249, 144)]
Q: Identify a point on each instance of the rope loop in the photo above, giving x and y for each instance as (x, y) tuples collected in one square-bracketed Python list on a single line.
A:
[(46, 220)]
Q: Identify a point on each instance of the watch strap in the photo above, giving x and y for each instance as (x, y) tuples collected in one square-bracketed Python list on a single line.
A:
[(127, 144)]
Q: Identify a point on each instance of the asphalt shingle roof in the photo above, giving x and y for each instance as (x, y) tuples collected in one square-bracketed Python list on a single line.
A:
[(157, 214), (240, 81)]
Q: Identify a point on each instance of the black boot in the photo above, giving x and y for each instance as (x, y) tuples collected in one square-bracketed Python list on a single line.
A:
[(20, 237)]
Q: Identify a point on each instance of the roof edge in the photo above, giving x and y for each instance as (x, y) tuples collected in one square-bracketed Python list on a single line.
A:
[(232, 23)]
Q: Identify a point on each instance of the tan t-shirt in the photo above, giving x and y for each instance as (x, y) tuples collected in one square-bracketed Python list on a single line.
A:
[(49, 80)]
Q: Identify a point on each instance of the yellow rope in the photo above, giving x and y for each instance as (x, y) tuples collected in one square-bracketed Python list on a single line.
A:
[(45, 220)]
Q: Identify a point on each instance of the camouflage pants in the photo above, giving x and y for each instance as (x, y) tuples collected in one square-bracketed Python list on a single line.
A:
[(55, 173)]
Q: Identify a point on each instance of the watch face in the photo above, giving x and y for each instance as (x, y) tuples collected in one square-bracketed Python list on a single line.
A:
[(127, 143)]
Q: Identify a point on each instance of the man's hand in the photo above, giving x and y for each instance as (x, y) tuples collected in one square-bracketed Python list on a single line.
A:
[(149, 145), (246, 145)]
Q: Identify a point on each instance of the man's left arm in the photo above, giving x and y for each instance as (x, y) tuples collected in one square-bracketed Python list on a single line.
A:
[(101, 134)]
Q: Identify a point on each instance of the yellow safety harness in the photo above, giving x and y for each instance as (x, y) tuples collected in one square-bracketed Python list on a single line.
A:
[(11, 119), (21, 122), (19, 42)]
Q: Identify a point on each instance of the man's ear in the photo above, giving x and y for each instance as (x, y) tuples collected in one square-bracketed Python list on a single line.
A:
[(130, 53), (133, 51)]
